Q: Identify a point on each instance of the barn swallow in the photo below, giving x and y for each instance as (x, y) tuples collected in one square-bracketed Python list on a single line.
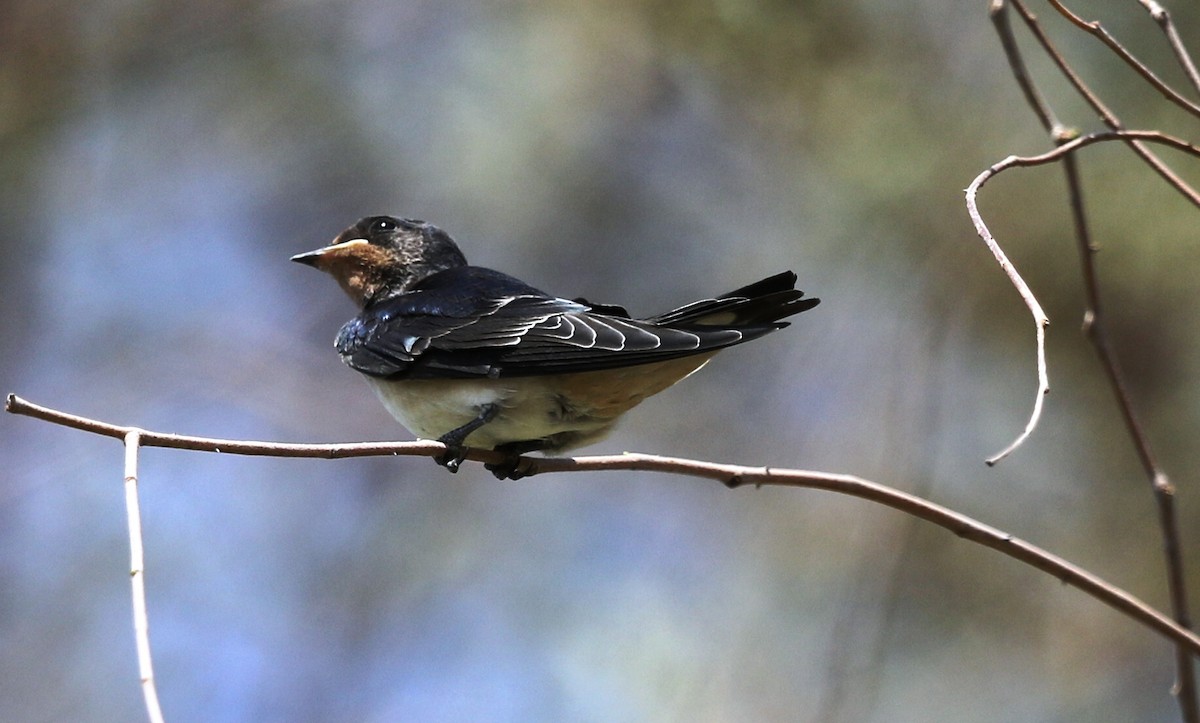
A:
[(473, 357)]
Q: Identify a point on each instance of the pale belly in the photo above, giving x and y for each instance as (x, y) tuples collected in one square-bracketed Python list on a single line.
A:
[(559, 411)]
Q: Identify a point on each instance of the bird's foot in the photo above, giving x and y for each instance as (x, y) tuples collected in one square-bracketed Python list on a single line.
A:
[(514, 465), (452, 458), (456, 451)]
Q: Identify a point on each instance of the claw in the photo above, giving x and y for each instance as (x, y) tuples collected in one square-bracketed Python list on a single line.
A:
[(510, 468), (514, 465), (452, 458)]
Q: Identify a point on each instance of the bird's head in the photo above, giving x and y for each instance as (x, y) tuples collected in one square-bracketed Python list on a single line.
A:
[(381, 256)]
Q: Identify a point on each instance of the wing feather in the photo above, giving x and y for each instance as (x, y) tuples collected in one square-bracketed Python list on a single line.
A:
[(472, 322)]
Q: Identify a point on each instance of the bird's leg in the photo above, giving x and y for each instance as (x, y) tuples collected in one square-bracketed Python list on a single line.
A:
[(512, 467), (456, 452)]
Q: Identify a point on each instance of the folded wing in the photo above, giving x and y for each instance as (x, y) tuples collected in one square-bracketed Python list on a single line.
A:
[(474, 322)]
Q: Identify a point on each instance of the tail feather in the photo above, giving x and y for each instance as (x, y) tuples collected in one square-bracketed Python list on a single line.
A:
[(762, 303)]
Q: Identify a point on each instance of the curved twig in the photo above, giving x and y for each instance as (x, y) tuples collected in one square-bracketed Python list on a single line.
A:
[(728, 474), (1039, 316)]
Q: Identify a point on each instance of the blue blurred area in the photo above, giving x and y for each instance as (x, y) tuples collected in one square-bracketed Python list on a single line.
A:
[(162, 160)]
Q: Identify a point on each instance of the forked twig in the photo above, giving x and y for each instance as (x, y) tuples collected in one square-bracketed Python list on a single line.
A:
[(1097, 30), (1164, 492), (1106, 115)]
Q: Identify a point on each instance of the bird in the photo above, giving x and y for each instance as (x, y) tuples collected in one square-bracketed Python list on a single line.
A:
[(473, 357)]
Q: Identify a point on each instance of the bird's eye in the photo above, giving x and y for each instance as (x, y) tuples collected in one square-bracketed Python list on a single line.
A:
[(383, 225)]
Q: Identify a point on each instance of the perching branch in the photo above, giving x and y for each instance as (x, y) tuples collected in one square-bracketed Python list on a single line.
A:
[(728, 474)]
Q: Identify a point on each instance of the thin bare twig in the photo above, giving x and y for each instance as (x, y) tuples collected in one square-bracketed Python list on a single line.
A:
[(137, 571), (998, 12), (1106, 115), (728, 474), (1040, 320), (1097, 30), (1160, 15), (1039, 316), (1096, 331)]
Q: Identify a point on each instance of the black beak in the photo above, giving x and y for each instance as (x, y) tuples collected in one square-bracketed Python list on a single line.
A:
[(309, 258)]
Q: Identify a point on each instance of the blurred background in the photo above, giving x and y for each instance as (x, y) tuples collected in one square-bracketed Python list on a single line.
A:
[(162, 159)]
